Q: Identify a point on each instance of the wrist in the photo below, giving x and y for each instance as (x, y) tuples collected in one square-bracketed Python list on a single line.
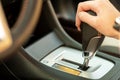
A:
[(117, 27), (117, 23)]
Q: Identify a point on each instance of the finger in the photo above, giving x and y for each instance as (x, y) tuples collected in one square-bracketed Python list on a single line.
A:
[(77, 22), (87, 18), (88, 5), (84, 6)]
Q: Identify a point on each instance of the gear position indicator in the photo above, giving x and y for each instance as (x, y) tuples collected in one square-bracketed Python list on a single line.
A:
[(70, 61)]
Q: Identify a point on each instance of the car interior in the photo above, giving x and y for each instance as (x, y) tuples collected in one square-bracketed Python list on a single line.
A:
[(44, 43)]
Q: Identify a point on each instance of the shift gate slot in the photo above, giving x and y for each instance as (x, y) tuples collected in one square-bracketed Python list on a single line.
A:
[(81, 66)]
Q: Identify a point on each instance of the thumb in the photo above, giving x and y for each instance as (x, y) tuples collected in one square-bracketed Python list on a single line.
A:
[(87, 18)]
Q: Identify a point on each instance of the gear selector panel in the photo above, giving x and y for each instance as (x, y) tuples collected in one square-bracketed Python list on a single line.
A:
[(68, 60)]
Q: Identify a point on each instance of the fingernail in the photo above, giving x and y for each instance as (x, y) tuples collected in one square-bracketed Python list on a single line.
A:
[(78, 28)]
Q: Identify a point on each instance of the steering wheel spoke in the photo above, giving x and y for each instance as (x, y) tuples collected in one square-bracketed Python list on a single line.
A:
[(5, 36), (12, 38)]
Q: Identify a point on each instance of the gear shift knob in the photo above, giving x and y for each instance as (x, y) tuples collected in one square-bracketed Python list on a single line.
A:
[(91, 41)]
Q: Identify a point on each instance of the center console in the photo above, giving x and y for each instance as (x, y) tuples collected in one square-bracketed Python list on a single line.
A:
[(69, 60), (65, 62)]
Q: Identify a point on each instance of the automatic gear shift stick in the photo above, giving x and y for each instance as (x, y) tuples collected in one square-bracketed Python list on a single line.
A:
[(91, 40)]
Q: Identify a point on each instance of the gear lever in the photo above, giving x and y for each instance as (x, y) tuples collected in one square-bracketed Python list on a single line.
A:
[(91, 40)]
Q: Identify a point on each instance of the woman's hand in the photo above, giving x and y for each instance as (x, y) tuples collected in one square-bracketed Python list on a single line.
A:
[(104, 20)]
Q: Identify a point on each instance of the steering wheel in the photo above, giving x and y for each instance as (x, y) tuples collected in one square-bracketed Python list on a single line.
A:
[(11, 39)]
